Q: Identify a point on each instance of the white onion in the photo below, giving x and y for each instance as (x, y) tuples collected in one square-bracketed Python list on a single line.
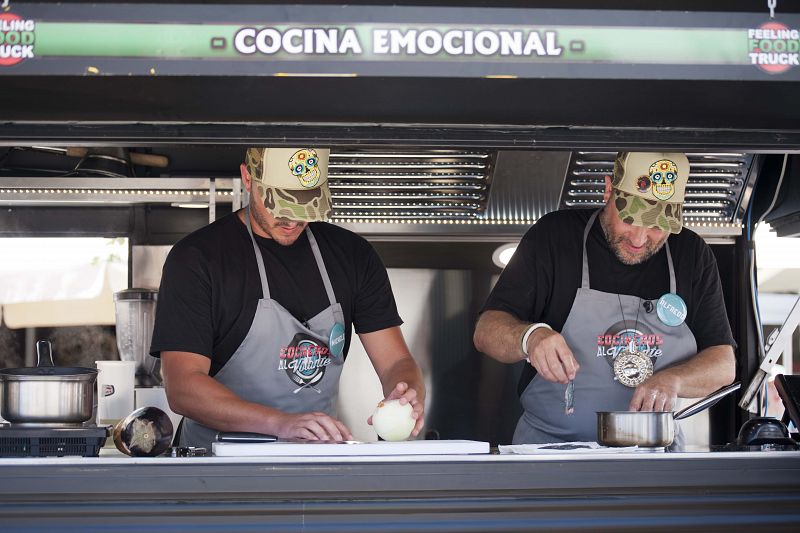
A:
[(392, 420)]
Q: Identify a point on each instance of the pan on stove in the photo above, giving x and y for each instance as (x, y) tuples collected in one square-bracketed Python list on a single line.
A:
[(47, 394), (650, 428)]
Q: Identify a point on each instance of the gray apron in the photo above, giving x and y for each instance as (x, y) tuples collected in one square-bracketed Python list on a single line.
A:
[(598, 327), (283, 363)]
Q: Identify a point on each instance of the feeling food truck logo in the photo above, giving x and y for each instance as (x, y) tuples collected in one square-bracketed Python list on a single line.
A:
[(16, 39), (773, 47)]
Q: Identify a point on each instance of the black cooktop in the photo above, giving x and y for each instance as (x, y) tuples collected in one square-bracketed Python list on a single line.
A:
[(27, 441), (782, 446), (767, 447)]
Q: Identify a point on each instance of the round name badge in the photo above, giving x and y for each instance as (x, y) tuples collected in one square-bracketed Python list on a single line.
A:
[(336, 339), (671, 309)]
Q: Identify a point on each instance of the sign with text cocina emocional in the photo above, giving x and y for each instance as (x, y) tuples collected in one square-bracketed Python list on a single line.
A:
[(293, 40)]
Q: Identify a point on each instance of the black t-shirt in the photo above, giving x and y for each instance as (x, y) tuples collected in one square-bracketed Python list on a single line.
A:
[(210, 286), (540, 282)]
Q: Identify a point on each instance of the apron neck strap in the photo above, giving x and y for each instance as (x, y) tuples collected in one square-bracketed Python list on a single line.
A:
[(262, 271), (326, 279), (585, 260), (672, 286), (585, 257)]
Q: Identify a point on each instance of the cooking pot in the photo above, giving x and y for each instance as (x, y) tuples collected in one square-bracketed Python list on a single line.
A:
[(47, 394), (650, 428)]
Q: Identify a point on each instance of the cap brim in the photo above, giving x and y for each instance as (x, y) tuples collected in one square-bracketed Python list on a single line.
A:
[(648, 213), (305, 205)]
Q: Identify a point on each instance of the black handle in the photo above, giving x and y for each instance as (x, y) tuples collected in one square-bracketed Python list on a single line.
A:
[(243, 436), (44, 353)]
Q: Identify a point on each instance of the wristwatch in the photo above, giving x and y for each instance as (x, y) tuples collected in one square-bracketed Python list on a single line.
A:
[(527, 334)]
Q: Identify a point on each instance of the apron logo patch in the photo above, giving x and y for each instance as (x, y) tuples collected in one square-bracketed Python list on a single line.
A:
[(631, 353), (304, 360), (618, 338)]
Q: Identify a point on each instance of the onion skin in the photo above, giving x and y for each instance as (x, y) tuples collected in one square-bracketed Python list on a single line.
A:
[(393, 421)]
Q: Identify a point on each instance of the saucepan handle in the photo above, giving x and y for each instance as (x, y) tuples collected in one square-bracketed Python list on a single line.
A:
[(707, 402)]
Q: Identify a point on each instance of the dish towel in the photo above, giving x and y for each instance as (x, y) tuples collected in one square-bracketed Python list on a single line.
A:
[(562, 447)]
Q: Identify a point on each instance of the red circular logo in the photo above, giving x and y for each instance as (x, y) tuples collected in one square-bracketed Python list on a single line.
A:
[(8, 41), (772, 46)]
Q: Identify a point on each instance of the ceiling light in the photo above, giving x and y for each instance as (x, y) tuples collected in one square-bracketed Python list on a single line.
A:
[(191, 206), (502, 255)]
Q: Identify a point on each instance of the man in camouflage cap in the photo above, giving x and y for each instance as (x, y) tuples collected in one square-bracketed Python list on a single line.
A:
[(256, 312), (614, 309), (646, 203)]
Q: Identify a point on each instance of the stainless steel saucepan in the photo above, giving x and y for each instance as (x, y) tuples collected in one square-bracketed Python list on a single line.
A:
[(650, 428), (47, 394)]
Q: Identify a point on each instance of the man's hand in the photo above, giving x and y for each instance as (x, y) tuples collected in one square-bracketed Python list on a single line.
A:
[(658, 393), (551, 357), (702, 374), (387, 350), (312, 426), (406, 395)]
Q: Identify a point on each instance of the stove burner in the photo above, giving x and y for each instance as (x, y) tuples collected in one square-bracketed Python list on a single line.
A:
[(782, 445), (40, 441)]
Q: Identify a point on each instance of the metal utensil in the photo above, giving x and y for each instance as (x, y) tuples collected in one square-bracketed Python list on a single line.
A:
[(188, 451), (243, 436), (248, 437), (569, 398), (650, 428)]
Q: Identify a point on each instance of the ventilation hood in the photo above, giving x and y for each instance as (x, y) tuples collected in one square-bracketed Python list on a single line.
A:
[(389, 193)]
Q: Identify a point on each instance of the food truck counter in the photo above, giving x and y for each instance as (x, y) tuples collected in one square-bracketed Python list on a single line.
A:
[(642, 490)]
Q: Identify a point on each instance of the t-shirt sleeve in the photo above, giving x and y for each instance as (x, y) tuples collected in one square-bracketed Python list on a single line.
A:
[(184, 308), (523, 286), (374, 306), (710, 326)]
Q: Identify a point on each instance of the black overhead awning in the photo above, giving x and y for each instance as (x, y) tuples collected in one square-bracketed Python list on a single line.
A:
[(516, 74)]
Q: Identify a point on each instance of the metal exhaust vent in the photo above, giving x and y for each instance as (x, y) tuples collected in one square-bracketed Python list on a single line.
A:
[(409, 186), (713, 193)]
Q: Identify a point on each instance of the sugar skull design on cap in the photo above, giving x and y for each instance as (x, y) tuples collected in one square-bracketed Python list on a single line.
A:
[(663, 173), (304, 165)]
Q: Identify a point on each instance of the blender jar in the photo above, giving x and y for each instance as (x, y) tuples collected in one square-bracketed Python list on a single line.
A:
[(135, 316)]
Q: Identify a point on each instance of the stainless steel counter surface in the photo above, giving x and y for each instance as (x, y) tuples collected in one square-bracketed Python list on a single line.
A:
[(724, 491), (109, 457)]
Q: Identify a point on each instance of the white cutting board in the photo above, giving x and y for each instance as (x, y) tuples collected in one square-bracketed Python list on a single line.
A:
[(325, 449)]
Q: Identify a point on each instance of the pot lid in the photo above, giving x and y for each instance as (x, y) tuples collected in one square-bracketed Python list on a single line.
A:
[(136, 294), (55, 373)]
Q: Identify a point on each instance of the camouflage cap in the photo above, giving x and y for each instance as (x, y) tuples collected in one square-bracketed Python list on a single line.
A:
[(292, 182), (648, 189)]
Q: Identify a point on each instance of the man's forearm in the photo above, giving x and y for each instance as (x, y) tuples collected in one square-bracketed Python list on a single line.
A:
[(389, 354), (498, 335), (207, 401), (710, 369)]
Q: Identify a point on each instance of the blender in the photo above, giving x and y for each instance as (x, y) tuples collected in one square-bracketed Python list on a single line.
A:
[(135, 315)]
